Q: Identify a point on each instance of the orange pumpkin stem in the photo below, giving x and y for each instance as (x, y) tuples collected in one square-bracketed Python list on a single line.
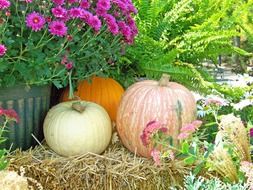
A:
[(78, 107), (164, 81)]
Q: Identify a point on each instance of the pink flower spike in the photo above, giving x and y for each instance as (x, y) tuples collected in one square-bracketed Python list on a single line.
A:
[(183, 136), (3, 50), (58, 28), (188, 128), (197, 123), (172, 155), (156, 156), (4, 4), (163, 129), (150, 128), (35, 21), (145, 139)]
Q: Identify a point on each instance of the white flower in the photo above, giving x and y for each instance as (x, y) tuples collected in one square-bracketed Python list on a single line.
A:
[(242, 104)]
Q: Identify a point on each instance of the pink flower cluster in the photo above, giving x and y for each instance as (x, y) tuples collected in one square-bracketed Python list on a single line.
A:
[(149, 130), (122, 8), (156, 155), (213, 102), (10, 114), (247, 168), (188, 129)]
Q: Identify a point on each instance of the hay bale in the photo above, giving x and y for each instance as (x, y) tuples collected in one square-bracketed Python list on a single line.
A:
[(116, 168)]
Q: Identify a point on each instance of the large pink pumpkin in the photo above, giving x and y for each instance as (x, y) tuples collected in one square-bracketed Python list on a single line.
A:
[(169, 103)]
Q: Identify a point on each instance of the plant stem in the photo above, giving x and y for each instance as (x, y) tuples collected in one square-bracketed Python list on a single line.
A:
[(2, 129)]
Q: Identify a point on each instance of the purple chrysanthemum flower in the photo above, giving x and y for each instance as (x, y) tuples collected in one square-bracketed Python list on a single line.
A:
[(95, 23), (4, 4), (100, 12), (59, 12), (58, 2), (28, 1), (3, 50), (72, 1), (109, 18), (35, 21), (103, 5), (112, 24), (122, 6), (126, 32), (58, 28), (116, 14), (251, 132), (132, 8), (132, 25), (113, 28), (86, 16), (85, 4), (76, 12), (122, 24)]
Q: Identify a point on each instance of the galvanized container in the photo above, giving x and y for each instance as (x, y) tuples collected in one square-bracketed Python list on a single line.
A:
[(31, 104)]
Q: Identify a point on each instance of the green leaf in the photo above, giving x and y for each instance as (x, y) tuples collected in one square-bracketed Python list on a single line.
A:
[(190, 160), (3, 67), (185, 148), (198, 168), (57, 84)]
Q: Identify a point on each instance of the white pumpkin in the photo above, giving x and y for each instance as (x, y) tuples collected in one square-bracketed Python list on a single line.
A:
[(77, 127)]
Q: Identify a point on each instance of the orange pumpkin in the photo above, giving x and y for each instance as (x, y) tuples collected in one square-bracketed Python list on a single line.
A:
[(103, 91)]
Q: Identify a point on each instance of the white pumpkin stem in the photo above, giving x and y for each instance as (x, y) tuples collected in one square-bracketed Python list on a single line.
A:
[(165, 79), (78, 107)]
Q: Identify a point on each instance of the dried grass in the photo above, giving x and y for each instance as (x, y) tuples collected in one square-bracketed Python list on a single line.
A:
[(235, 134), (117, 169)]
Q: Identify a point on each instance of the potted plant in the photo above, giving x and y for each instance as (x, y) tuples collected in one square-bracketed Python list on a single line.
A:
[(56, 42)]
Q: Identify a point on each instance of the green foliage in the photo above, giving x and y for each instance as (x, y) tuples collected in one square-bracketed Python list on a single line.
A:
[(3, 161), (192, 182), (6, 116), (176, 36), (36, 56)]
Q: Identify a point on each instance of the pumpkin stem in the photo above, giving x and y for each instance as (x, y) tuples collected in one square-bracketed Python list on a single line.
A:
[(165, 79), (78, 107)]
